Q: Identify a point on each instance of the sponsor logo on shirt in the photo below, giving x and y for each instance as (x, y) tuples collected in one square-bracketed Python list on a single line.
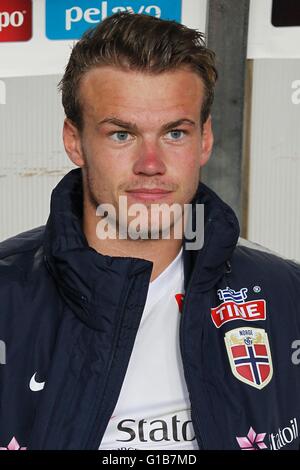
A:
[(13, 445), (284, 436), (179, 299), (132, 433), (15, 20), (250, 356), (69, 19), (34, 385), (234, 307), (277, 440)]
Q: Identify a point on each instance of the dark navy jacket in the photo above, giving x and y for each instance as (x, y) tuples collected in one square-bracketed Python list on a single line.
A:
[(71, 315)]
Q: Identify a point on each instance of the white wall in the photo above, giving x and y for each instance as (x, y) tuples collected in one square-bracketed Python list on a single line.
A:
[(274, 196), (32, 158)]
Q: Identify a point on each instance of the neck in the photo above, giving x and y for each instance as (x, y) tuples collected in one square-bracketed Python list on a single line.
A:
[(161, 252)]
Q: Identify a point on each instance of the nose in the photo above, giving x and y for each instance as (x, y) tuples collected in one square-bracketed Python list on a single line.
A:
[(150, 159)]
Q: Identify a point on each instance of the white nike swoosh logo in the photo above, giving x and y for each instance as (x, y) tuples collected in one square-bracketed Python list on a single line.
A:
[(34, 385)]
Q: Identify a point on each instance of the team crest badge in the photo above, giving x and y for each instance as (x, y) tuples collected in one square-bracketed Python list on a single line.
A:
[(250, 356)]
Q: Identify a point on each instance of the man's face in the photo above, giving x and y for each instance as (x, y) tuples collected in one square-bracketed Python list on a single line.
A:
[(141, 133)]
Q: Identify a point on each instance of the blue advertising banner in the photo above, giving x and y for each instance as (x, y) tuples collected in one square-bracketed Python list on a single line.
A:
[(69, 19)]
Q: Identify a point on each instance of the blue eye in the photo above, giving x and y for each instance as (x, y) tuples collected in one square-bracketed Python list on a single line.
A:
[(176, 134), (120, 136)]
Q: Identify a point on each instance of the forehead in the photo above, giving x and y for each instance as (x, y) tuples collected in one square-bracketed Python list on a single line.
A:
[(108, 90)]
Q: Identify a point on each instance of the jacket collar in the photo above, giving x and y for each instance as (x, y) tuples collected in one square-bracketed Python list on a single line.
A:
[(82, 274), (221, 232)]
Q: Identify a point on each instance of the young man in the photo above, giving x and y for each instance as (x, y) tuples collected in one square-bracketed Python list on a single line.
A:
[(144, 342)]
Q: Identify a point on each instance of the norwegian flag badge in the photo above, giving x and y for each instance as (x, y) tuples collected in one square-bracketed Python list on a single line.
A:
[(249, 355)]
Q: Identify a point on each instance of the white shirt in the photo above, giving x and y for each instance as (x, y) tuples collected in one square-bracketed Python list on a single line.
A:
[(153, 409)]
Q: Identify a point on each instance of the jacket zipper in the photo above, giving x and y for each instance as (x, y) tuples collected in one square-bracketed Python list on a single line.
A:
[(187, 374), (95, 438)]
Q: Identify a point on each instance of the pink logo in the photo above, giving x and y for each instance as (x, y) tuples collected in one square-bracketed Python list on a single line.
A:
[(13, 445), (252, 441)]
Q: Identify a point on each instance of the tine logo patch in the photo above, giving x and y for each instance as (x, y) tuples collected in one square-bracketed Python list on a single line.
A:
[(234, 307)]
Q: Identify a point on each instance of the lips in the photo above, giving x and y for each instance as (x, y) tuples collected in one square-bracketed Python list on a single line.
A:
[(148, 194), (149, 191)]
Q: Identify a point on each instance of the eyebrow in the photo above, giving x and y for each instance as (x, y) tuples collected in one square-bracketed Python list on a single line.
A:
[(133, 127), (179, 122)]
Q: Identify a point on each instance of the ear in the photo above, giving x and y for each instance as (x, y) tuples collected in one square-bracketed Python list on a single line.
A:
[(72, 143), (207, 142)]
